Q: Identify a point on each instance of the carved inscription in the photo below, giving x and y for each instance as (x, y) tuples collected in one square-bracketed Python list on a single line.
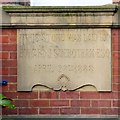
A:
[(65, 53), (63, 68), (83, 55)]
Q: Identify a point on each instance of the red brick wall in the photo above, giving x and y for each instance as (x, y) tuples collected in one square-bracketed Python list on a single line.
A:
[(20, 2), (116, 1), (35, 103), (14, 1)]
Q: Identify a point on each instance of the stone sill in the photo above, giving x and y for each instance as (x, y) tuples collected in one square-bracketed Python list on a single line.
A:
[(57, 26), (60, 9), (60, 117)]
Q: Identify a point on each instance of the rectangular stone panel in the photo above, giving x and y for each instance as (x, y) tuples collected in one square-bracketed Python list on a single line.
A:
[(64, 59)]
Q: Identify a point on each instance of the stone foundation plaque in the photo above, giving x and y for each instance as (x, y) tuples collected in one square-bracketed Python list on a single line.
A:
[(64, 59)]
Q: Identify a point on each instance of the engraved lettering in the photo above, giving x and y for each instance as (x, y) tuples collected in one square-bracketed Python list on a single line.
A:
[(63, 68), (64, 53)]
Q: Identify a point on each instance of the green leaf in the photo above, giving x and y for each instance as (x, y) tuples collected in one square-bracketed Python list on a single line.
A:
[(2, 96), (6, 103)]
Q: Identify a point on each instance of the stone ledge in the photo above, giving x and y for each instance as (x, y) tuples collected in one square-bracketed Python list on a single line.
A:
[(59, 9), (58, 15), (59, 26), (64, 117)]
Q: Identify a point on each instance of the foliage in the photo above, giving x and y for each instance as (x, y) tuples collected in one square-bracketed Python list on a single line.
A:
[(6, 102)]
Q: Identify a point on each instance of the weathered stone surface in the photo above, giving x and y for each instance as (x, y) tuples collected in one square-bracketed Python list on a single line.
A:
[(64, 18), (64, 59), (81, 16)]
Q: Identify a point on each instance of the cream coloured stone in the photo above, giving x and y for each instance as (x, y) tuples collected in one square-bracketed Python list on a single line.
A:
[(64, 59), (74, 18)]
